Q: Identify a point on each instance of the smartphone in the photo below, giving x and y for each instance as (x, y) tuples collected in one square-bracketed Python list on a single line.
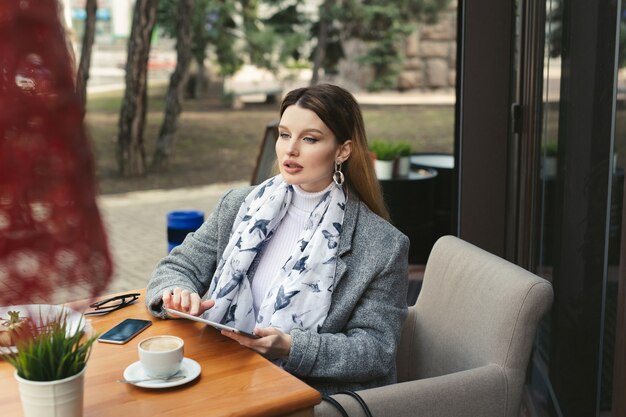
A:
[(210, 323), (124, 331)]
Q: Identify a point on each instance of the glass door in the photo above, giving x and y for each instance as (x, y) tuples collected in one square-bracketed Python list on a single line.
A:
[(574, 233)]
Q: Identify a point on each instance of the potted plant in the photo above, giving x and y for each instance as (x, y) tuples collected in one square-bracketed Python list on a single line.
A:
[(385, 153), (49, 360), (403, 159)]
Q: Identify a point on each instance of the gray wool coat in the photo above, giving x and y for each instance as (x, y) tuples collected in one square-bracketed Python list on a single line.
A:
[(356, 346)]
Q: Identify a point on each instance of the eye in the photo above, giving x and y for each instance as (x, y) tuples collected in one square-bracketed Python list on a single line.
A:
[(309, 139), (284, 135)]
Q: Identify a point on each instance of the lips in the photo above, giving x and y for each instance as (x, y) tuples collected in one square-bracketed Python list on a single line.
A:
[(292, 167)]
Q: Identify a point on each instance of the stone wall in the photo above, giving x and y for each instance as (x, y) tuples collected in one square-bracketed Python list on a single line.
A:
[(430, 55), (429, 59), (351, 74)]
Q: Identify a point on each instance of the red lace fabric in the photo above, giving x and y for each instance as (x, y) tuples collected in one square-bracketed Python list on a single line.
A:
[(53, 247)]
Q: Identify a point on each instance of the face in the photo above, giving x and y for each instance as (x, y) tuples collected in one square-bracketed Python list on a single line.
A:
[(307, 149)]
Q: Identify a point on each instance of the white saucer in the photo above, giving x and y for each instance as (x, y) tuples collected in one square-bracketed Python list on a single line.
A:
[(189, 368)]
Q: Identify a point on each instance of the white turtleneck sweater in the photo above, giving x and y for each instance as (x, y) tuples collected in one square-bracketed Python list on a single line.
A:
[(284, 241)]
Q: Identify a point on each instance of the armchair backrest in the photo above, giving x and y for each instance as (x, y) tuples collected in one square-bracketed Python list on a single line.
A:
[(474, 309)]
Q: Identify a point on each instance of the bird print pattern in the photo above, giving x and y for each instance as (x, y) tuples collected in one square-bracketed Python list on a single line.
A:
[(314, 286), (295, 298), (300, 264), (283, 299), (297, 319)]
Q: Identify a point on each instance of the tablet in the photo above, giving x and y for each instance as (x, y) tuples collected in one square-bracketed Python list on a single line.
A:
[(210, 323)]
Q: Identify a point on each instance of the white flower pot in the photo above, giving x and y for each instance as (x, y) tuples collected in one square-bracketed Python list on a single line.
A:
[(403, 164), (60, 398), (384, 169)]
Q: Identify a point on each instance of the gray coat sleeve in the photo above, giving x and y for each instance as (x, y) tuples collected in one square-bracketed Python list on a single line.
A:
[(359, 339), (191, 265)]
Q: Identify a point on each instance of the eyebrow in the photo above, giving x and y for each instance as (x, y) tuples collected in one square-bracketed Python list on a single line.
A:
[(305, 130)]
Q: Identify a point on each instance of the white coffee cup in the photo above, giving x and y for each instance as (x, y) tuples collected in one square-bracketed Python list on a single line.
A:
[(161, 356)]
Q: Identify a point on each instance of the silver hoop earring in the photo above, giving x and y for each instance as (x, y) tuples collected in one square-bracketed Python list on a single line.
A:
[(338, 175)]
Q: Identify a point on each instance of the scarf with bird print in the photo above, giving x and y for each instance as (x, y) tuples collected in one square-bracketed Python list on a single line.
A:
[(300, 295)]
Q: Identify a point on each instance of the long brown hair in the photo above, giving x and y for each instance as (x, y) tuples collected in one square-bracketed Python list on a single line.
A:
[(338, 109)]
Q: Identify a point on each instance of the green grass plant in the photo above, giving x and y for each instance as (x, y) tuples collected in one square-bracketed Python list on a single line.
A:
[(384, 150), (403, 149), (50, 352)]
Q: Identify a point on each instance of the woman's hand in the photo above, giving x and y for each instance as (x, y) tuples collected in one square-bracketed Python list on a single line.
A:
[(186, 301), (272, 343)]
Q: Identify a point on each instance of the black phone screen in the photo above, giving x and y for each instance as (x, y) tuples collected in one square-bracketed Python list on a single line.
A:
[(124, 331)]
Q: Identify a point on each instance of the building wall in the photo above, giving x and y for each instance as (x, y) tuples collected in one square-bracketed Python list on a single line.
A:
[(430, 55), (429, 58)]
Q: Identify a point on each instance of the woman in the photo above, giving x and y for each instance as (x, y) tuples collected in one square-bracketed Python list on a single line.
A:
[(307, 260)]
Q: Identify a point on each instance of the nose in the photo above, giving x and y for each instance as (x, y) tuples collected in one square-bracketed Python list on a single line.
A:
[(293, 148)]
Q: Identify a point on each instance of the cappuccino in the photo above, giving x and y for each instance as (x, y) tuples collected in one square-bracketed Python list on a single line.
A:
[(161, 356), (160, 344)]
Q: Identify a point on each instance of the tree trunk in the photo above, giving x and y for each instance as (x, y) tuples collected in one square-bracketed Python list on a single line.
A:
[(322, 40), (176, 89), (131, 158), (91, 7)]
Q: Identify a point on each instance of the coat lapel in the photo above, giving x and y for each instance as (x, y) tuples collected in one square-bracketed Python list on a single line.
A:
[(345, 243)]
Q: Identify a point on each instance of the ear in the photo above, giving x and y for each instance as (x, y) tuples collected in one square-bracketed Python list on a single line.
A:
[(344, 151)]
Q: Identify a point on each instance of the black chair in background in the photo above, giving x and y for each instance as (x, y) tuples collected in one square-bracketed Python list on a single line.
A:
[(267, 154)]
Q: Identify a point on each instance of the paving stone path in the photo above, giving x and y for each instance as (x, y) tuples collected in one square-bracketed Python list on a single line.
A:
[(137, 227)]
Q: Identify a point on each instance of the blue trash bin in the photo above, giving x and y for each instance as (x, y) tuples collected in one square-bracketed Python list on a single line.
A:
[(179, 224)]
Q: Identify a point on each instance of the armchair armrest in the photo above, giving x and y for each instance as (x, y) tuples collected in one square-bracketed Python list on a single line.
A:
[(475, 392)]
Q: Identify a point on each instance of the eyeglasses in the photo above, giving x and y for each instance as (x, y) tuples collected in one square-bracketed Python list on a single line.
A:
[(111, 304)]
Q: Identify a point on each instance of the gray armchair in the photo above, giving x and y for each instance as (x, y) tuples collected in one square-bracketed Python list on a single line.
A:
[(466, 343)]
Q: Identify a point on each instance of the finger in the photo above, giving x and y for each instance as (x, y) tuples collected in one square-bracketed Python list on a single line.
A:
[(244, 341), (167, 298), (185, 301), (176, 298), (231, 335), (265, 331), (205, 305), (194, 306), (273, 343), (167, 303)]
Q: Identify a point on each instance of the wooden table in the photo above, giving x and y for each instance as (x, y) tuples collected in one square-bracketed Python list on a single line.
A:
[(235, 381)]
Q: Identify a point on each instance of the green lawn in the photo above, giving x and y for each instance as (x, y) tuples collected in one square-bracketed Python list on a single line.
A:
[(215, 143)]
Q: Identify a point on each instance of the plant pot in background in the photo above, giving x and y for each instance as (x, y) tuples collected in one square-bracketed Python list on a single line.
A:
[(63, 397), (403, 165), (384, 169), (403, 159), (385, 152)]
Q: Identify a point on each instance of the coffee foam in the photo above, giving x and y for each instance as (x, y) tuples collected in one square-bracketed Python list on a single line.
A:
[(161, 344)]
